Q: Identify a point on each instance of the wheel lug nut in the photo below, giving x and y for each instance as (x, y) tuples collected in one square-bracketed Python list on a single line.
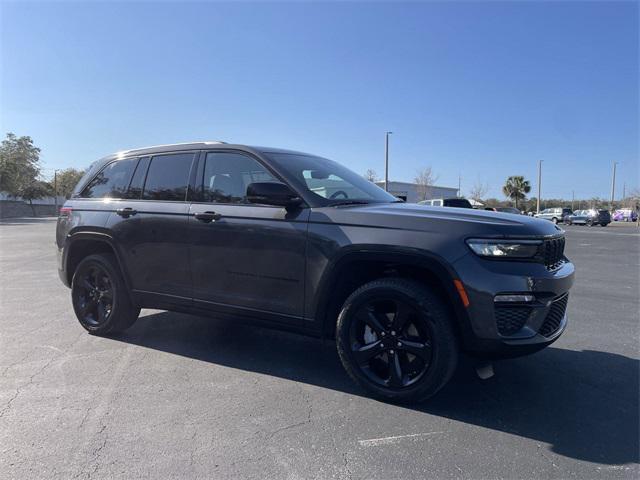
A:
[(384, 333), (391, 352), (393, 332), (399, 344)]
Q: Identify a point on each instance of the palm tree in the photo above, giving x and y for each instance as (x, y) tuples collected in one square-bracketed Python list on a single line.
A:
[(516, 188)]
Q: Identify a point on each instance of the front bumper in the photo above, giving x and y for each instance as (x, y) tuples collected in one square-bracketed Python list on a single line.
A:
[(508, 330)]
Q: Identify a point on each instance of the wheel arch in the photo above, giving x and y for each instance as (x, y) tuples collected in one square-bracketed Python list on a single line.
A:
[(82, 243), (355, 267)]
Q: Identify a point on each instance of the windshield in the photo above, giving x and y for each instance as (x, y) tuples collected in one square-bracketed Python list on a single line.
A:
[(324, 182)]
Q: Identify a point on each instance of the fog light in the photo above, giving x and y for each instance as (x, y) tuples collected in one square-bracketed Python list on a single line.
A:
[(514, 298)]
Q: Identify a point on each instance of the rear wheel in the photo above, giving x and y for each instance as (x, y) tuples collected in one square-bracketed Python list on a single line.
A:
[(604, 224), (100, 298), (396, 340), (554, 220)]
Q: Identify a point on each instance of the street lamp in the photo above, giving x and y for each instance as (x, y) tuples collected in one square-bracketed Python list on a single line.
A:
[(613, 184), (386, 161), (539, 185)]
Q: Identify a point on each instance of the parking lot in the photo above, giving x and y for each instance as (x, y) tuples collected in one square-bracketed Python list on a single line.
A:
[(178, 396)]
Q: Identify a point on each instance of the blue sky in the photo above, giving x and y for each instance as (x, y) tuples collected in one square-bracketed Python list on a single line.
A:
[(481, 89)]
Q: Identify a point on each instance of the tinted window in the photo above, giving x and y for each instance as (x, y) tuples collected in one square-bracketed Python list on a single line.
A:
[(137, 182), (457, 202), (227, 175), (112, 181), (168, 177)]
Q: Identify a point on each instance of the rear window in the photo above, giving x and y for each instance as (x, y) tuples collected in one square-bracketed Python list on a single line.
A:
[(168, 177), (457, 202), (112, 181)]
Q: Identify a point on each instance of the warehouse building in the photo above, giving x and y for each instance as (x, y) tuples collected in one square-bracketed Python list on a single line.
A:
[(409, 191)]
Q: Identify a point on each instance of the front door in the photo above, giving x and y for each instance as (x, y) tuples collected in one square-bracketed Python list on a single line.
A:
[(244, 257)]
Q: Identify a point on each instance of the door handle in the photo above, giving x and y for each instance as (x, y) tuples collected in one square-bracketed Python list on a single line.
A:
[(207, 217), (126, 212)]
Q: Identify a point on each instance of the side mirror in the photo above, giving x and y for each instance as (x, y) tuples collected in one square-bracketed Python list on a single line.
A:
[(271, 193)]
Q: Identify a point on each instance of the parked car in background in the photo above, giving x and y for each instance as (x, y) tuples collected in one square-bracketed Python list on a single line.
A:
[(625, 215), (589, 217), (554, 214), (447, 202), (509, 210)]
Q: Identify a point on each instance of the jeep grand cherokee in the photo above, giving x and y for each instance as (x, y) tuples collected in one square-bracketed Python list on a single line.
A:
[(297, 241)]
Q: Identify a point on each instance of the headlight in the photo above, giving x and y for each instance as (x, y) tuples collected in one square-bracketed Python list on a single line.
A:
[(504, 248)]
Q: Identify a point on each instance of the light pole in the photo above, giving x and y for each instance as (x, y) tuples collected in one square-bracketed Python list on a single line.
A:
[(573, 198), (539, 185), (613, 184), (55, 189), (386, 161)]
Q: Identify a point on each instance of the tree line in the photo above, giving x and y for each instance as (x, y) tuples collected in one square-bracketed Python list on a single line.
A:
[(515, 189), (21, 172)]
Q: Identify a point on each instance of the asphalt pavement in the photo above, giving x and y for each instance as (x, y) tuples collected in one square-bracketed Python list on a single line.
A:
[(178, 396)]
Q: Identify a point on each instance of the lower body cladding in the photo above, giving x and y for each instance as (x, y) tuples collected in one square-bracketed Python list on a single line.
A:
[(515, 308)]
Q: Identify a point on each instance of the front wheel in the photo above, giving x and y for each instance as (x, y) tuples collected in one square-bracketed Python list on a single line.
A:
[(395, 339), (100, 298), (604, 224), (554, 220)]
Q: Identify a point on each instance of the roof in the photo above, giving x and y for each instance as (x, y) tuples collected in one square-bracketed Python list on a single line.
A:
[(174, 147)]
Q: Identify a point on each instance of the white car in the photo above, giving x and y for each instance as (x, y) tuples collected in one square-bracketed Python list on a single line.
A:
[(554, 214)]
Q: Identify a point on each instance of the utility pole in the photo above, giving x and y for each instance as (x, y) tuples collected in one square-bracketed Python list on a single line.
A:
[(539, 185), (573, 198), (459, 184), (55, 189), (386, 160), (613, 184)]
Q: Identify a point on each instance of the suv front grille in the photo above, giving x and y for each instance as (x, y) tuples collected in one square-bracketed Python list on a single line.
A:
[(554, 317), (510, 319), (552, 253)]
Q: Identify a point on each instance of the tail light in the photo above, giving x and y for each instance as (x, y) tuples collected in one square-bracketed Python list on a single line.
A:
[(65, 211)]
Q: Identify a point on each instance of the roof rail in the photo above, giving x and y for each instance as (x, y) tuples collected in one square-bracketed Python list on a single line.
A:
[(209, 142)]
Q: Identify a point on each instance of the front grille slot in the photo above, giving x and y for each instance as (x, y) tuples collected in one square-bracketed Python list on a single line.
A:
[(554, 317), (510, 319), (552, 253)]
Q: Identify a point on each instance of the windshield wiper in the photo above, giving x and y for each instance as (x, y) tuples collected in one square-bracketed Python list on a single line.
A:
[(349, 202)]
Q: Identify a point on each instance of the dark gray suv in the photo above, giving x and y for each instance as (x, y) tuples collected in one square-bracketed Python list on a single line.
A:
[(296, 241)]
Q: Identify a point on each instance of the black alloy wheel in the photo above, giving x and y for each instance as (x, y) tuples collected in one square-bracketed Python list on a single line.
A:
[(94, 296), (390, 346), (99, 295), (396, 339)]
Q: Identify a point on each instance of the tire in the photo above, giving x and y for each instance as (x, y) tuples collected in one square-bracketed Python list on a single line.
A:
[(604, 224), (427, 331), (567, 222), (100, 298), (554, 220)]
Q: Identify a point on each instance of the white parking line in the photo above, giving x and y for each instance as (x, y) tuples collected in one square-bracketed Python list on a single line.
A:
[(375, 442)]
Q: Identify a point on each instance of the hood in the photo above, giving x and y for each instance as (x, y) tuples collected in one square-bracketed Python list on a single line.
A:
[(458, 221)]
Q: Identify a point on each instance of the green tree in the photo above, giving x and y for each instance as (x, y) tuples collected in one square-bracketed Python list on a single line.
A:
[(19, 164), (516, 188), (67, 180), (33, 191)]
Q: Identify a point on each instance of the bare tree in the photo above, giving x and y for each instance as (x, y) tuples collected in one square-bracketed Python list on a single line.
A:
[(371, 175), (478, 191), (424, 180)]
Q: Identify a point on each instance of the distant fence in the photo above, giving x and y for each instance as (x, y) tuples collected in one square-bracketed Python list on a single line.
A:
[(13, 209)]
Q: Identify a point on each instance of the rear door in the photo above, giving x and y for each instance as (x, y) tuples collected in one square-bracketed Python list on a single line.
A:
[(150, 228), (245, 257)]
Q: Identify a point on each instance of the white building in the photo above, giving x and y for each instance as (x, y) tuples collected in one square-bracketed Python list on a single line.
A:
[(409, 191)]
